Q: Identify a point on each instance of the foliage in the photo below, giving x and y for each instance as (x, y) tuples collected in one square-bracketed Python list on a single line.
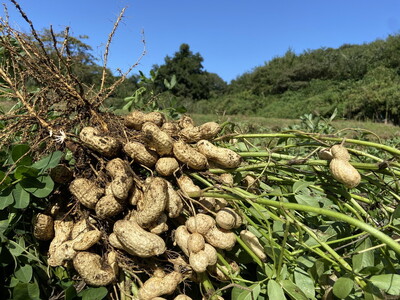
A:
[(361, 81), (191, 80), (24, 190)]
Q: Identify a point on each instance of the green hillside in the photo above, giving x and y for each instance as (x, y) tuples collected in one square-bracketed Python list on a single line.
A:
[(361, 81)]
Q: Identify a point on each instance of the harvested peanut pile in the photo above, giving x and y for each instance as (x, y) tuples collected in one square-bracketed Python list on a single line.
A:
[(131, 209)]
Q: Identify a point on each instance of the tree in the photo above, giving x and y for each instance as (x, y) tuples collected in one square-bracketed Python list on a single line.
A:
[(191, 80)]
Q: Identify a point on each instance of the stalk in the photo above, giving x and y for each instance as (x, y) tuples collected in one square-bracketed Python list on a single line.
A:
[(322, 211), (320, 137)]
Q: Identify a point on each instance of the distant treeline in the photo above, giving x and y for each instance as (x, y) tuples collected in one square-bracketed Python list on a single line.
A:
[(361, 81)]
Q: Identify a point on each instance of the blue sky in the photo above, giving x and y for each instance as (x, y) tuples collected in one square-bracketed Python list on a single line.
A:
[(233, 36)]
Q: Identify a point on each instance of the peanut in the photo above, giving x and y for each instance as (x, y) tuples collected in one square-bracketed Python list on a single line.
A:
[(105, 145), (154, 202), (86, 192), (174, 204), (122, 177), (341, 169), (43, 227), (227, 218), (253, 243), (159, 140), (189, 156), (137, 241), (92, 270), (166, 166), (223, 157), (140, 154), (200, 223), (156, 286), (137, 118), (109, 206)]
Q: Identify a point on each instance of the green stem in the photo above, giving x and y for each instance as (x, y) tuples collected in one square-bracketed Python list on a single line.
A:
[(389, 149), (321, 211)]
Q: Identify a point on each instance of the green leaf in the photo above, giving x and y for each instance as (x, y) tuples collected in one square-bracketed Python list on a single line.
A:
[(246, 293), (343, 287), (14, 248), (48, 162), (293, 290), (24, 273), (22, 172), (364, 259), (5, 181), (300, 185), (19, 151), (275, 291), (40, 187), (389, 283), (93, 293), (306, 200), (6, 198), (25, 291), (304, 282), (70, 293), (21, 197)]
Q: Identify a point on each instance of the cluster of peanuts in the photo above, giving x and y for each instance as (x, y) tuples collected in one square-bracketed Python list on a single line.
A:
[(139, 209)]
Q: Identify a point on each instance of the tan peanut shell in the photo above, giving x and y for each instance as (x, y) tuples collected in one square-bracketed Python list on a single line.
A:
[(227, 218), (199, 261), (340, 152), (226, 179), (80, 226), (155, 286), (225, 158), (220, 238), (195, 243), (86, 192), (174, 204), (160, 225), (185, 122), (108, 206), (86, 240), (253, 243), (181, 237), (325, 154), (61, 254), (190, 134), (344, 172), (171, 128), (211, 253), (189, 156), (221, 275), (122, 177), (62, 233), (140, 154), (154, 201), (105, 145), (166, 166), (137, 241), (200, 223), (43, 227), (187, 185), (137, 118), (159, 140), (209, 130), (114, 241), (136, 195), (93, 270)]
